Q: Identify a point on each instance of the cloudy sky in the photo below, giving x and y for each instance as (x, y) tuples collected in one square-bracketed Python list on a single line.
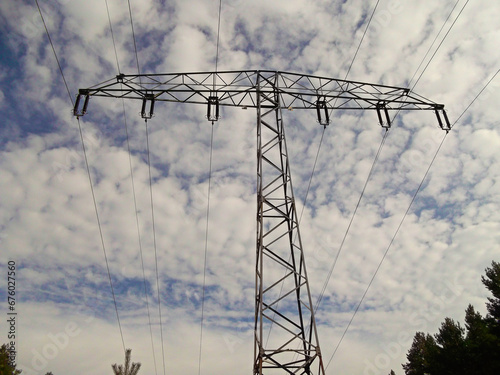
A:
[(67, 322)]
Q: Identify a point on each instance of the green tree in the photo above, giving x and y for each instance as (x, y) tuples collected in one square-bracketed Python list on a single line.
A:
[(6, 367), (422, 351), (449, 357), (128, 368), (455, 350), (491, 346), (492, 282)]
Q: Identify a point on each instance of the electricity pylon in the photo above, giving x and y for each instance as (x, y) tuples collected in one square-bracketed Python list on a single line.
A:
[(286, 338)]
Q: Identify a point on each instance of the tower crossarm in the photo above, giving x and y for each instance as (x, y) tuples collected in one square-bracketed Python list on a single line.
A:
[(239, 89)]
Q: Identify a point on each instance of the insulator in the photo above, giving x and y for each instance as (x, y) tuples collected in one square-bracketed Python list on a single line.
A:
[(77, 104), (143, 109), (448, 125), (85, 104), (387, 124), (76, 109), (380, 121), (147, 115), (213, 108), (439, 118), (151, 108), (322, 112)]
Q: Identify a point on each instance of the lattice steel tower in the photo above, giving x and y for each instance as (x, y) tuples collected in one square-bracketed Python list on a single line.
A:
[(282, 295)]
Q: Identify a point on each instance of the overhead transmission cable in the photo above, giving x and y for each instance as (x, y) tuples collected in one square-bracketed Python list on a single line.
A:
[(362, 38), (442, 40), (406, 214), (410, 86), (217, 45), (207, 227), (327, 280), (151, 199), (206, 250), (324, 286), (134, 195), (133, 37), (430, 48), (314, 169), (112, 37), (89, 176), (420, 185)]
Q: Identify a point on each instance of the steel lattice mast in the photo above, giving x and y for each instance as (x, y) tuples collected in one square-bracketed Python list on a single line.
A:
[(286, 339)]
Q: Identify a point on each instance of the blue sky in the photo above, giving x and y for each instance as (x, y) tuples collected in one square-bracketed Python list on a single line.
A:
[(47, 218)]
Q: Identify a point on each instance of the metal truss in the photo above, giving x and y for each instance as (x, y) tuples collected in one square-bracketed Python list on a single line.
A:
[(285, 330), (286, 339), (241, 89)]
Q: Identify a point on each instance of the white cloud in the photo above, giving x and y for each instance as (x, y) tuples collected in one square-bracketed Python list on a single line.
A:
[(48, 223)]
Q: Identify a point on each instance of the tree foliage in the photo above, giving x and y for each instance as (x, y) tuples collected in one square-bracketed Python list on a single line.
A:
[(128, 368), (6, 368), (456, 350)]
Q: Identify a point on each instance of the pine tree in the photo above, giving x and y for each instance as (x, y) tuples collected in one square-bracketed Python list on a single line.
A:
[(128, 368), (454, 350), (422, 351), (492, 283), (6, 367)]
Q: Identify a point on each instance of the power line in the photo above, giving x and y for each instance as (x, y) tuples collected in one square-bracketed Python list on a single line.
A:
[(475, 98), (432, 44), (437, 49), (206, 249), (420, 76), (100, 231), (112, 37), (362, 38), (218, 36), (89, 176), (320, 298), (202, 319), (134, 197), (429, 49), (406, 214), (367, 179), (139, 238), (154, 243), (133, 36), (387, 250), (151, 198), (314, 168), (54, 50), (217, 44), (369, 174), (360, 42)]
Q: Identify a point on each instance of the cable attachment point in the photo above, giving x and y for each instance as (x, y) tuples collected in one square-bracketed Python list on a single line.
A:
[(213, 108), (120, 77), (446, 126), (77, 111), (147, 115), (322, 111), (381, 106)]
